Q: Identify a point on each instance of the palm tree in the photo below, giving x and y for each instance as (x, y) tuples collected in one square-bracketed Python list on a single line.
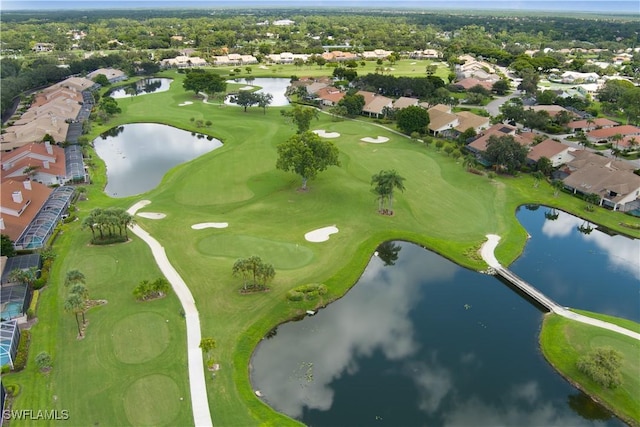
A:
[(73, 277), (82, 291), (24, 276), (537, 175), (633, 142), (558, 185), (385, 182), (74, 304), (617, 138), (590, 122)]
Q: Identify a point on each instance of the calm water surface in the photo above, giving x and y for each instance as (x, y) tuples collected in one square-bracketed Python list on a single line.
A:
[(141, 87), (139, 155), (426, 342), (275, 86)]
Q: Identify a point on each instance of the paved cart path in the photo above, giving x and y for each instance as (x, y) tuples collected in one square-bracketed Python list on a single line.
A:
[(488, 256), (197, 384)]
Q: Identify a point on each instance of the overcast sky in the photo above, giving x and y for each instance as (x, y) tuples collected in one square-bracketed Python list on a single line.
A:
[(615, 6)]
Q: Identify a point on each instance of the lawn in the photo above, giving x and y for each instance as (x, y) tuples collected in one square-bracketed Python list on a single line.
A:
[(564, 341), (443, 208)]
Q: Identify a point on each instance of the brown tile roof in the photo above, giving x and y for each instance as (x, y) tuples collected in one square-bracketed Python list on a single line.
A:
[(602, 180), (582, 124), (480, 144), (439, 119), (404, 102), (34, 154), (606, 133), (331, 94), (374, 103), (547, 148), (583, 158), (469, 120), (470, 82), (18, 214), (551, 109)]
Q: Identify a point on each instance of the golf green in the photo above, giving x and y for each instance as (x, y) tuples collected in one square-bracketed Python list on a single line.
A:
[(131, 341), (146, 408), (281, 254)]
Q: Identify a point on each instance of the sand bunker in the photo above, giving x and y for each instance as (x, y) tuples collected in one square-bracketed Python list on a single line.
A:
[(185, 103), (210, 225), (263, 67), (378, 140), (151, 215), (321, 234), (246, 88), (323, 134)]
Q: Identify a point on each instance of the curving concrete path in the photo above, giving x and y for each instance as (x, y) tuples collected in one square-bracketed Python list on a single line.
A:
[(197, 384), (489, 257)]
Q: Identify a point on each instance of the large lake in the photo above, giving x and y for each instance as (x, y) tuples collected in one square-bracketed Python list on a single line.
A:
[(426, 342), (139, 155)]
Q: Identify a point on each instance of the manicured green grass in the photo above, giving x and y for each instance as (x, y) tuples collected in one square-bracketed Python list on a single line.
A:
[(134, 353), (624, 323), (564, 341), (444, 208)]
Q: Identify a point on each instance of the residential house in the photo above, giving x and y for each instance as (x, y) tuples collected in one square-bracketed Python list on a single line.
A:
[(286, 57), (339, 56), (43, 47), (425, 54), (553, 110), (112, 75), (613, 181), (183, 61), (404, 102), (587, 125), (44, 163), (34, 131), (75, 83), (329, 95), (313, 88), (470, 82), (20, 202), (441, 119), (607, 134), (283, 22), (375, 54), (572, 77), (234, 59), (479, 145), (375, 104), (557, 152), (469, 120)]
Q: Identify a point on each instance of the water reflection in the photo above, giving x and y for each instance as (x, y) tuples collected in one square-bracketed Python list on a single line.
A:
[(141, 87), (139, 155), (421, 342), (622, 252), (275, 86)]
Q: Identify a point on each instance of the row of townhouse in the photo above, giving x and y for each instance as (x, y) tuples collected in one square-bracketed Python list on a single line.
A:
[(50, 113), (581, 171)]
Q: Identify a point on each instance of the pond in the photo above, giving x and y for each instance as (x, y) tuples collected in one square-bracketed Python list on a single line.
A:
[(275, 86), (426, 342), (139, 155), (141, 87)]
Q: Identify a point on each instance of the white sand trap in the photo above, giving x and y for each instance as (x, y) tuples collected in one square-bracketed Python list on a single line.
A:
[(185, 103), (263, 67), (413, 63), (204, 225), (152, 215), (324, 134), (378, 140), (321, 234), (246, 88)]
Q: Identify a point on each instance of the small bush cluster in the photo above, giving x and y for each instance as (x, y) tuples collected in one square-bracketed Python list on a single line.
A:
[(23, 351), (31, 311), (306, 292)]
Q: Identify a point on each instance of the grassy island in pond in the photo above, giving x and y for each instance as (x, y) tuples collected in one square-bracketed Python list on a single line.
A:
[(564, 341), (443, 207)]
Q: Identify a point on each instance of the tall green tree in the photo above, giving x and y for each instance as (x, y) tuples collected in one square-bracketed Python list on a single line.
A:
[(264, 100), (301, 117), (506, 153), (202, 81), (307, 155), (246, 99), (353, 103), (412, 119), (602, 364), (254, 272), (73, 277)]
